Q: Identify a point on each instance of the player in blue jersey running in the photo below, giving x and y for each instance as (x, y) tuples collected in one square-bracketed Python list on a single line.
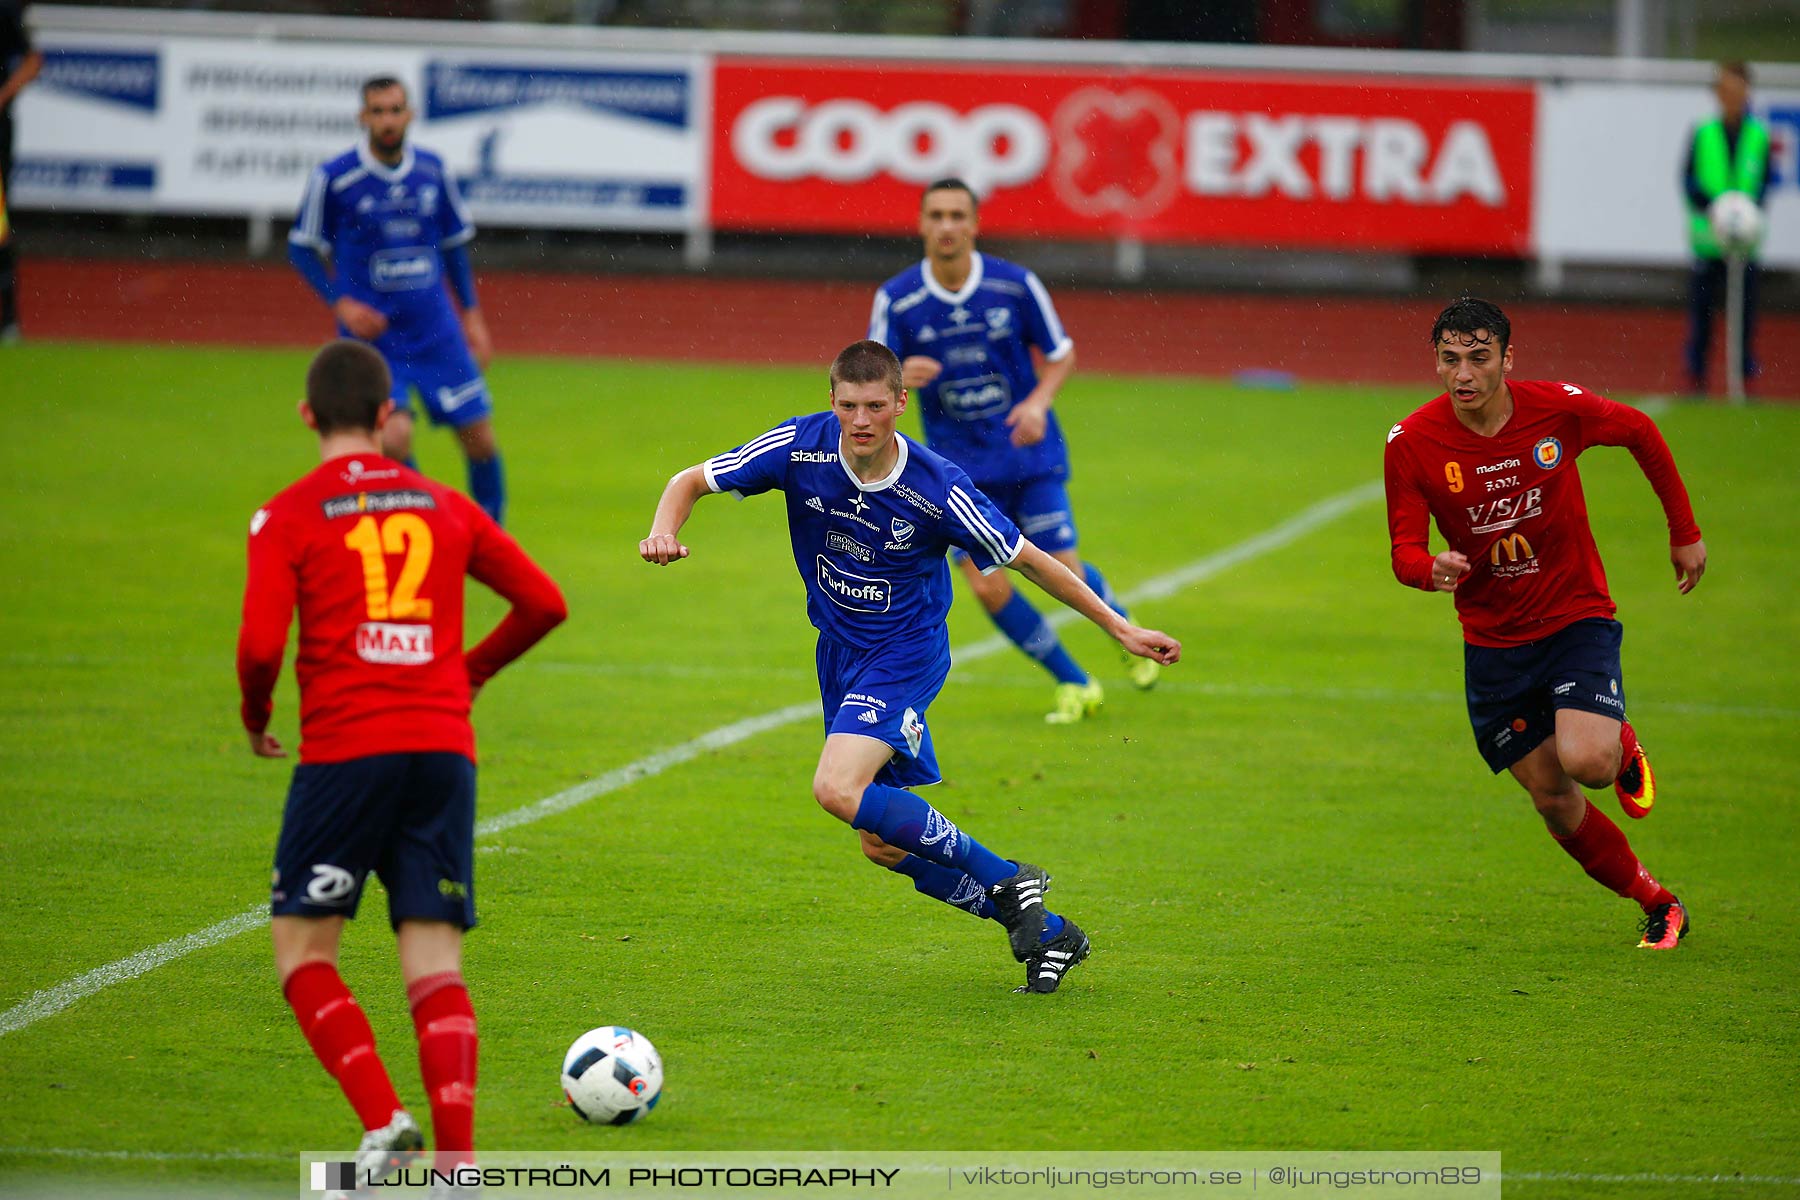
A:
[(871, 514), (964, 325), (387, 220)]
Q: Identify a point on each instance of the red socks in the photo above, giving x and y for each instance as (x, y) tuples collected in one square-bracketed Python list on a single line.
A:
[(445, 1022), (340, 1035), (1601, 849)]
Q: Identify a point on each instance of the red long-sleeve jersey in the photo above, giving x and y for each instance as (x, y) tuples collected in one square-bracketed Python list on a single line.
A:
[(1512, 504), (374, 555)]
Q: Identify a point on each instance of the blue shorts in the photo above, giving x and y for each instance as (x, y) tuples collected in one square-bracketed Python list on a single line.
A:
[(884, 695), (445, 376), (1039, 507), (1515, 691), (410, 818)]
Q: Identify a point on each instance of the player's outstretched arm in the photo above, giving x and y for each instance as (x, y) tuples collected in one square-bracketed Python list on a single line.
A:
[(663, 545), (1053, 577)]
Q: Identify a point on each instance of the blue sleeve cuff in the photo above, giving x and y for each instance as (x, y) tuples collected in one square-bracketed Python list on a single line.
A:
[(306, 260), (461, 275)]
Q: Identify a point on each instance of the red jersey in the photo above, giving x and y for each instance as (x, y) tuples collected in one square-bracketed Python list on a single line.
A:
[(374, 554), (1512, 504)]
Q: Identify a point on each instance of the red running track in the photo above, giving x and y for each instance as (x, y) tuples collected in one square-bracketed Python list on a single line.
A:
[(1325, 339)]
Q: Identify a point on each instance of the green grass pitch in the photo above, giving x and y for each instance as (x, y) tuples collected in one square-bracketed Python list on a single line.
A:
[(1319, 923)]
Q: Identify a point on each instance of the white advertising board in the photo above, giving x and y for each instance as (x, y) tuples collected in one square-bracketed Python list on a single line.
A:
[(1609, 161), (232, 127)]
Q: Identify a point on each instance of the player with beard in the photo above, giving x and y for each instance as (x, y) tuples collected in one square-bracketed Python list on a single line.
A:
[(380, 231)]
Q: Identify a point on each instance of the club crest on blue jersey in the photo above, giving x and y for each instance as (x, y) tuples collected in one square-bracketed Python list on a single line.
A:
[(1547, 453)]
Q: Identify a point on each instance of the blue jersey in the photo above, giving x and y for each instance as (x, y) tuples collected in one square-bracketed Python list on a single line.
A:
[(386, 229), (983, 336), (871, 554)]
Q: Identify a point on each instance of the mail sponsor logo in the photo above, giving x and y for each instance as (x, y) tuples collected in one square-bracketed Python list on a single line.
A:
[(393, 644)]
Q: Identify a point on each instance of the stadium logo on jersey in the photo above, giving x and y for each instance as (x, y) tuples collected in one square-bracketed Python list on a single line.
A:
[(377, 502), (394, 645), (329, 885), (846, 544), (976, 399), (1547, 453), (917, 501), (814, 503), (856, 593), (813, 456), (404, 269)]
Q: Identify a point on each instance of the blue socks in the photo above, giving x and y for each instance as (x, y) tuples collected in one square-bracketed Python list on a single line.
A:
[(487, 486), (960, 891), (1103, 589), (899, 818), (1028, 630), (942, 861), (947, 884)]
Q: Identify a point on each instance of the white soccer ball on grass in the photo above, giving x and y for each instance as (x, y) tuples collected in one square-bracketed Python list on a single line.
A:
[(612, 1076), (1737, 223)]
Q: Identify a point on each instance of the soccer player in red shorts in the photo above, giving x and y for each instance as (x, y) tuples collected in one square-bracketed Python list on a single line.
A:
[(1493, 462), (374, 554)]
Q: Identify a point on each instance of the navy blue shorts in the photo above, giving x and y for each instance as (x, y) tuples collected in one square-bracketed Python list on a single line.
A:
[(410, 818), (883, 695), (1039, 507), (1514, 691)]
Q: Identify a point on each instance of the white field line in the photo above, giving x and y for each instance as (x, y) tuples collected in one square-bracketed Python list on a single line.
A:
[(52, 1000)]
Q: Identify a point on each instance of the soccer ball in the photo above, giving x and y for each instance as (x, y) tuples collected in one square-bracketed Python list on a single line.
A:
[(1737, 223), (612, 1076)]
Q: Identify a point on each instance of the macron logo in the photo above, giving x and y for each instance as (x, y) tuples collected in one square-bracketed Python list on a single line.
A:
[(857, 593)]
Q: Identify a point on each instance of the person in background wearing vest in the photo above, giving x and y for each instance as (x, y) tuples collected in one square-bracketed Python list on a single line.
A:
[(1727, 154)]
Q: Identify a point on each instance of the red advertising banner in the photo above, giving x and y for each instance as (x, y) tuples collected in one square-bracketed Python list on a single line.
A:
[(1201, 157)]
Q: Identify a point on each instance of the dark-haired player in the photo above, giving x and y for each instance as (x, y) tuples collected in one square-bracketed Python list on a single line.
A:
[(871, 514), (388, 219), (964, 325), (1493, 462), (374, 555)]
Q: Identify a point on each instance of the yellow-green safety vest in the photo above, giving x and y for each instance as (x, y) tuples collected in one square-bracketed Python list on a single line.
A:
[(1716, 172)]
